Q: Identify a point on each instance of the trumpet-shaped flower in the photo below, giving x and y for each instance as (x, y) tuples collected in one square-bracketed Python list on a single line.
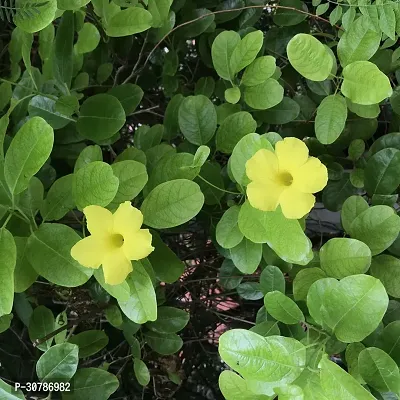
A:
[(115, 240), (287, 178)]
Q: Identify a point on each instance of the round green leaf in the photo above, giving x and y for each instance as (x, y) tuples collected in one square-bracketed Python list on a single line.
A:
[(39, 16), (94, 184), (101, 116), (365, 84), (290, 16), (309, 57), (232, 95), (169, 320), (235, 387), (227, 232), (172, 203), (341, 257), (284, 112), (89, 342), (259, 71), (387, 269), (352, 207), (88, 155), (141, 372), (266, 328), (128, 22), (49, 252), (58, 364), (163, 343), (129, 95), (272, 279), (197, 119), (88, 39), (303, 281), (282, 308), (265, 95), (246, 256)]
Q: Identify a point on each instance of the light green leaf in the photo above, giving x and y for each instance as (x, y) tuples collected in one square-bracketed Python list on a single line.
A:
[(381, 172), (49, 252), (365, 84), (141, 305), (37, 21), (259, 71), (303, 281), (5, 322), (309, 57), (132, 153), (359, 43), (353, 350), (169, 320), (377, 227), (8, 253), (88, 39), (371, 111), (128, 22), (58, 364), (197, 119), (270, 359), (41, 324), (87, 155), (121, 292), (101, 116), (356, 149), (282, 308), (341, 257), (246, 256), (159, 9), (234, 128), (387, 269), (27, 153), (353, 307), (172, 203), (265, 95), (272, 279), (227, 232), (232, 95), (292, 392), (315, 297), (71, 4), (89, 342), (387, 20), (141, 372), (92, 384), (266, 328), (129, 95), (331, 118), (352, 207), (94, 184), (246, 51), (163, 343), (24, 274)]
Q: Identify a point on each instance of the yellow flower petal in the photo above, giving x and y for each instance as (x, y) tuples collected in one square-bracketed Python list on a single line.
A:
[(292, 153), (311, 177), (116, 267), (99, 220), (265, 196), (296, 204), (89, 252), (262, 166), (127, 219), (138, 245)]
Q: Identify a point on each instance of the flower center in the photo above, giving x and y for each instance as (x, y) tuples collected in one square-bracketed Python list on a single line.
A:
[(117, 240), (285, 179)]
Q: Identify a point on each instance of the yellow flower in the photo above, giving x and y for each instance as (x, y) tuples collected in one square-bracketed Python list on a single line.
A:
[(287, 178), (115, 240)]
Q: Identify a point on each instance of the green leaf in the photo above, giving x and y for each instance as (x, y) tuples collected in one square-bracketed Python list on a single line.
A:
[(146, 137), (92, 384), (24, 274), (356, 149), (141, 371), (37, 21), (266, 328), (387, 20), (205, 86), (309, 57), (88, 155), (88, 39), (128, 22), (71, 4), (159, 9), (101, 116), (8, 253), (371, 111), (282, 308), (132, 153), (284, 112), (229, 276), (41, 324), (234, 128), (29, 150), (132, 176), (197, 119), (292, 392), (341, 257), (331, 118), (141, 305), (171, 120), (322, 9), (5, 94), (200, 20), (121, 292), (94, 184), (352, 207), (246, 51), (387, 269), (290, 16), (104, 72), (377, 227), (272, 279), (336, 192), (353, 350), (315, 297), (163, 343), (270, 359), (381, 175), (227, 232), (172, 203), (234, 387), (58, 364), (169, 320), (359, 42), (59, 199), (265, 95), (338, 384), (246, 256), (259, 71), (129, 95), (232, 95), (303, 281), (171, 63), (49, 252), (353, 307), (5, 322), (246, 147), (250, 291), (284, 236), (390, 340), (89, 342), (365, 84)]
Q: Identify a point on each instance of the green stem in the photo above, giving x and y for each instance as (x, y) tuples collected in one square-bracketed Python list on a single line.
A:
[(6, 221), (218, 188)]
